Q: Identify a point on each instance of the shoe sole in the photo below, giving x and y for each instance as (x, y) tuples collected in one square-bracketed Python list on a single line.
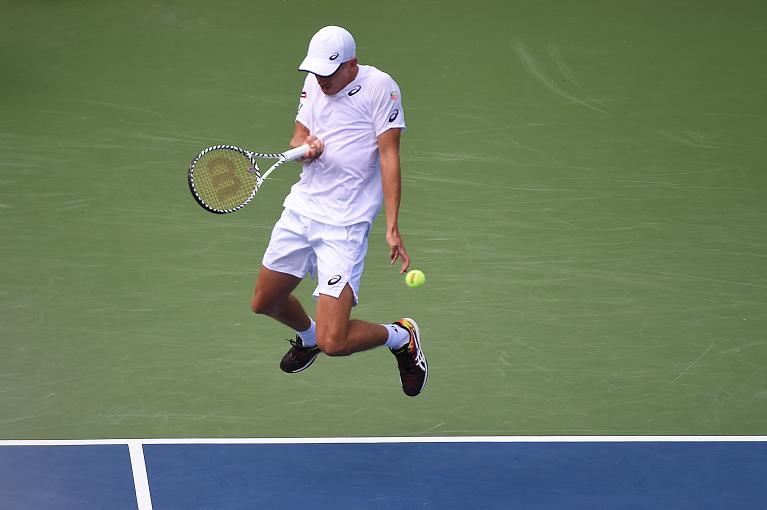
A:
[(418, 344)]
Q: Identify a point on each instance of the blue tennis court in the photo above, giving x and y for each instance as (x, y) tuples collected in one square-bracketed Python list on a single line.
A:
[(384, 473)]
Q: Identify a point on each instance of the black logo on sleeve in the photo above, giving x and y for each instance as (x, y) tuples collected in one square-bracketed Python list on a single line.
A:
[(355, 90), (394, 115), (333, 56), (334, 280)]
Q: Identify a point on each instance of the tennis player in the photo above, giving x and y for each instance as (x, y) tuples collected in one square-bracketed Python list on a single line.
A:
[(352, 117)]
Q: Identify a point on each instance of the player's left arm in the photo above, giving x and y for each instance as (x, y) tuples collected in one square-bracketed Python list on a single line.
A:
[(391, 181)]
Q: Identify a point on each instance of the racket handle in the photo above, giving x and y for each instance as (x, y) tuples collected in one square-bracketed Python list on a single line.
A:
[(296, 153)]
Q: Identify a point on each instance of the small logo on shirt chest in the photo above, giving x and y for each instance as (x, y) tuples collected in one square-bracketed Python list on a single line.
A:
[(355, 90)]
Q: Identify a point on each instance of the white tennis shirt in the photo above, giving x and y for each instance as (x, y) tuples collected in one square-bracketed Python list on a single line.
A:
[(343, 186)]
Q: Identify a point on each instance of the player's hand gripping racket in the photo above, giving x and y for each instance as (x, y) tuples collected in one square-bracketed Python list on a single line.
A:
[(224, 178)]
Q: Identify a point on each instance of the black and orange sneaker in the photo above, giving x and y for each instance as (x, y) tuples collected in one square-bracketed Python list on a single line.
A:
[(413, 369), (298, 358)]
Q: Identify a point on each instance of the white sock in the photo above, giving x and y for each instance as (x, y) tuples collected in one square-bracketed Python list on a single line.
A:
[(398, 336), (309, 337)]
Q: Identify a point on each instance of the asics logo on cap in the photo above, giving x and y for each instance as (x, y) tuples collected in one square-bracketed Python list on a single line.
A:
[(333, 56)]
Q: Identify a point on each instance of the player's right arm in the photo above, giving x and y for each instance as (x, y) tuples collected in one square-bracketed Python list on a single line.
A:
[(301, 136), (302, 132)]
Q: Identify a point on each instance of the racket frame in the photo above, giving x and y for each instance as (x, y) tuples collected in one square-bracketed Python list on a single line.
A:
[(281, 157)]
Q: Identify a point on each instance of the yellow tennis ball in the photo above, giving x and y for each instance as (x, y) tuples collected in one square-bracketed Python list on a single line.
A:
[(415, 279)]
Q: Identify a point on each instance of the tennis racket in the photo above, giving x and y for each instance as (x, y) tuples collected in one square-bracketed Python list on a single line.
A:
[(224, 178)]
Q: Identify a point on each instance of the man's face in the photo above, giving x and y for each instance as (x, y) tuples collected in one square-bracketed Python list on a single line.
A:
[(344, 75)]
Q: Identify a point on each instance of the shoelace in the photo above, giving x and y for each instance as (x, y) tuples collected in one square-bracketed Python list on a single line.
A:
[(297, 347)]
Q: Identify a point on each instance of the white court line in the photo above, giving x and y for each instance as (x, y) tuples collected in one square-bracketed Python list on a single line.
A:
[(364, 440), (140, 480)]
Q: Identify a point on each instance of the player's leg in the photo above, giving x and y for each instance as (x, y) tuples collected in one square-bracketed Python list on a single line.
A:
[(340, 263), (287, 259), (337, 335), (273, 297), (340, 253)]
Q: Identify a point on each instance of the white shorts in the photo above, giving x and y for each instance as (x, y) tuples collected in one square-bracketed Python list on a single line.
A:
[(336, 255)]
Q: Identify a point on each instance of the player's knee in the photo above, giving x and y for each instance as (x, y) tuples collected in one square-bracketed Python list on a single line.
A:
[(262, 306), (332, 346)]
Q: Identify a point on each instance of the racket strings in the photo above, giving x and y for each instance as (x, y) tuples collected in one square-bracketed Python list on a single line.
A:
[(225, 179)]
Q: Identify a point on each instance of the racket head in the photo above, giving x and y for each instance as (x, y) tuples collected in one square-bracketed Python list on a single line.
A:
[(223, 178)]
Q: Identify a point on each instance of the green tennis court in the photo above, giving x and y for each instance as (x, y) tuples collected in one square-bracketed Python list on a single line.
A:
[(584, 186)]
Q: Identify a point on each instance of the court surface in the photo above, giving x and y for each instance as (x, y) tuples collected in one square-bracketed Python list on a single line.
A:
[(584, 188), (381, 473)]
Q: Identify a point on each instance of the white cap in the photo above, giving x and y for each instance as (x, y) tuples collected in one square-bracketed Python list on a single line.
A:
[(329, 48)]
